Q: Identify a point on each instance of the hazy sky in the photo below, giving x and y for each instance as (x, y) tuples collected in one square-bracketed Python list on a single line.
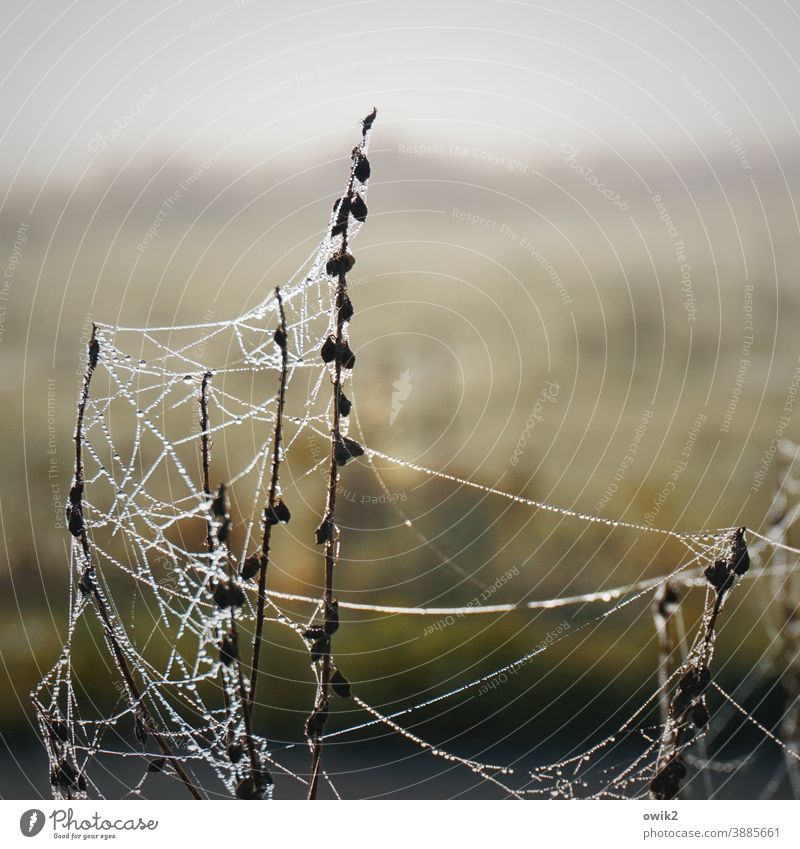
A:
[(89, 84)]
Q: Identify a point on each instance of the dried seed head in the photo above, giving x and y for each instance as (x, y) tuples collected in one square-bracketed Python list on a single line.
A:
[(64, 774), (229, 649), (701, 681), (340, 684), (324, 531), (719, 576), (235, 752), (254, 786), (346, 449), (224, 531), (319, 649), (740, 559), (339, 263), (86, 585), (345, 309), (358, 209), (280, 338), (666, 783), (156, 764), (345, 405), (699, 715), (228, 594), (315, 724), (59, 730), (251, 567), (94, 352), (278, 514), (328, 350), (366, 124), (362, 170), (219, 505)]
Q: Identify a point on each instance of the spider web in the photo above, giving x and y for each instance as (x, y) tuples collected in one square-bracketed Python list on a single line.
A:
[(154, 543)]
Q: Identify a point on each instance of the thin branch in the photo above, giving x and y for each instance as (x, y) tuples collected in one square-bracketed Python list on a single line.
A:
[(77, 527), (269, 513)]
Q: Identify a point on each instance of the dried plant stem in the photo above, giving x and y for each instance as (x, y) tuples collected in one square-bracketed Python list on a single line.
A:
[(211, 542), (89, 580), (331, 550), (277, 439)]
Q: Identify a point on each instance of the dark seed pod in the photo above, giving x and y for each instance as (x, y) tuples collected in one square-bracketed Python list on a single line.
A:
[(251, 567), (358, 209), (328, 350), (74, 514), (324, 532), (666, 783), (219, 505), (699, 715), (345, 405), (156, 765), (339, 264), (314, 633), (345, 309), (346, 449), (64, 774), (85, 585), (278, 514), (346, 357), (740, 559), (254, 787), (235, 752), (342, 209), (366, 124), (94, 353), (362, 169), (228, 594), (280, 337), (319, 649), (229, 649), (140, 727), (315, 724), (680, 703), (687, 681), (340, 684), (332, 617), (719, 576), (224, 531), (702, 680)]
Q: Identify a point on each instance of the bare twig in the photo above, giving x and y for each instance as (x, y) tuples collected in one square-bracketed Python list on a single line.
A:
[(270, 512), (77, 527)]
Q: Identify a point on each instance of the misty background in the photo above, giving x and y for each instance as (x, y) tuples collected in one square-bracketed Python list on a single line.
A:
[(590, 208)]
